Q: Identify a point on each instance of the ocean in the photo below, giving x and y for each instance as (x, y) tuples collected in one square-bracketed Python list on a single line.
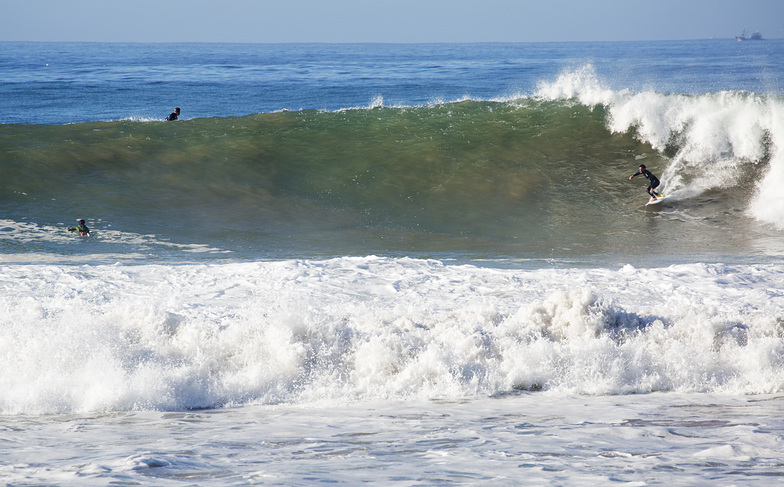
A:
[(395, 264)]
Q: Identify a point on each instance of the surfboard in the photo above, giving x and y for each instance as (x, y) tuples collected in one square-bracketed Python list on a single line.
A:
[(656, 201)]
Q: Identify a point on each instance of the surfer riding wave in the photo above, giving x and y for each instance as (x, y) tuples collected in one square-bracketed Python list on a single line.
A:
[(654, 181)]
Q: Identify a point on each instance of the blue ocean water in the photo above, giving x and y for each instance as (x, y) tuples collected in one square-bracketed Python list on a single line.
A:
[(57, 83), (402, 264)]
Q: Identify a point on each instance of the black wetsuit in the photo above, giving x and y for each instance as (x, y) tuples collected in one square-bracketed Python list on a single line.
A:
[(172, 116), (651, 178)]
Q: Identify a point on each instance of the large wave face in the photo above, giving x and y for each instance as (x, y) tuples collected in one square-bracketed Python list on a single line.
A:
[(541, 175)]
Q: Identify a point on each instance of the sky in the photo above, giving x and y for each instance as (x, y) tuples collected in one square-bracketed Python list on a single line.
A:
[(265, 21)]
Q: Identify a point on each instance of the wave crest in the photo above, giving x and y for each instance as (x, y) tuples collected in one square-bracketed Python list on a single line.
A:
[(710, 138)]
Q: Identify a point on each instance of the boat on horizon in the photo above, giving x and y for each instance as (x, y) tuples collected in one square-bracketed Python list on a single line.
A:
[(755, 36)]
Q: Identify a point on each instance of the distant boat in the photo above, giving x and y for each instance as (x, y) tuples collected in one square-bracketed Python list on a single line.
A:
[(755, 36)]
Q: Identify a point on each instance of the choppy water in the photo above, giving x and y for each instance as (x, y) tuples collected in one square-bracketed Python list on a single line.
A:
[(526, 439), (416, 265)]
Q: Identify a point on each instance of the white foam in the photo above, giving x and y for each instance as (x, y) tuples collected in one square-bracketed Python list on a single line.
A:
[(104, 244), (716, 135), (114, 337)]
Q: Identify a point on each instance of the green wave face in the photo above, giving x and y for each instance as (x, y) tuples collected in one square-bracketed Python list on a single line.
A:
[(530, 176)]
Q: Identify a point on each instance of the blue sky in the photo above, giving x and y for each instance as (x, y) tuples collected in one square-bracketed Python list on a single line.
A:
[(385, 20)]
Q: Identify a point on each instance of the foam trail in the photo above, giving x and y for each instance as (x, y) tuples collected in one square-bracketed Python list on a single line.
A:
[(768, 202)]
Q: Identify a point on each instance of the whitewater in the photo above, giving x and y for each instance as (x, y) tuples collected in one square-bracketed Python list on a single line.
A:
[(406, 265), (715, 135), (88, 339), (392, 370)]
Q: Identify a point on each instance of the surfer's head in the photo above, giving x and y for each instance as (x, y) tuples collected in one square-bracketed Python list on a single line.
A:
[(81, 220), (642, 167)]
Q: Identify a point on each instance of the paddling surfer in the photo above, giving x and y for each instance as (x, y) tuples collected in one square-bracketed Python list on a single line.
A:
[(174, 115), (653, 180), (81, 228)]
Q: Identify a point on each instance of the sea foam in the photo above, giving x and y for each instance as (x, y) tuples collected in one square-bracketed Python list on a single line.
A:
[(104, 338)]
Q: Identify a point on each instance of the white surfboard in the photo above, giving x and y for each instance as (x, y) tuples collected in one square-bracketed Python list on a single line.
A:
[(656, 201)]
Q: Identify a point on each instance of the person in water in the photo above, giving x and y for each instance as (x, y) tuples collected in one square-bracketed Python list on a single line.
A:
[(81, 228), (651, 178), (173, 115)]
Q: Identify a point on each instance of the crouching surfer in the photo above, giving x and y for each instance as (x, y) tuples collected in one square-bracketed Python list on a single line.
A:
[(81, 228), (653, 180)]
